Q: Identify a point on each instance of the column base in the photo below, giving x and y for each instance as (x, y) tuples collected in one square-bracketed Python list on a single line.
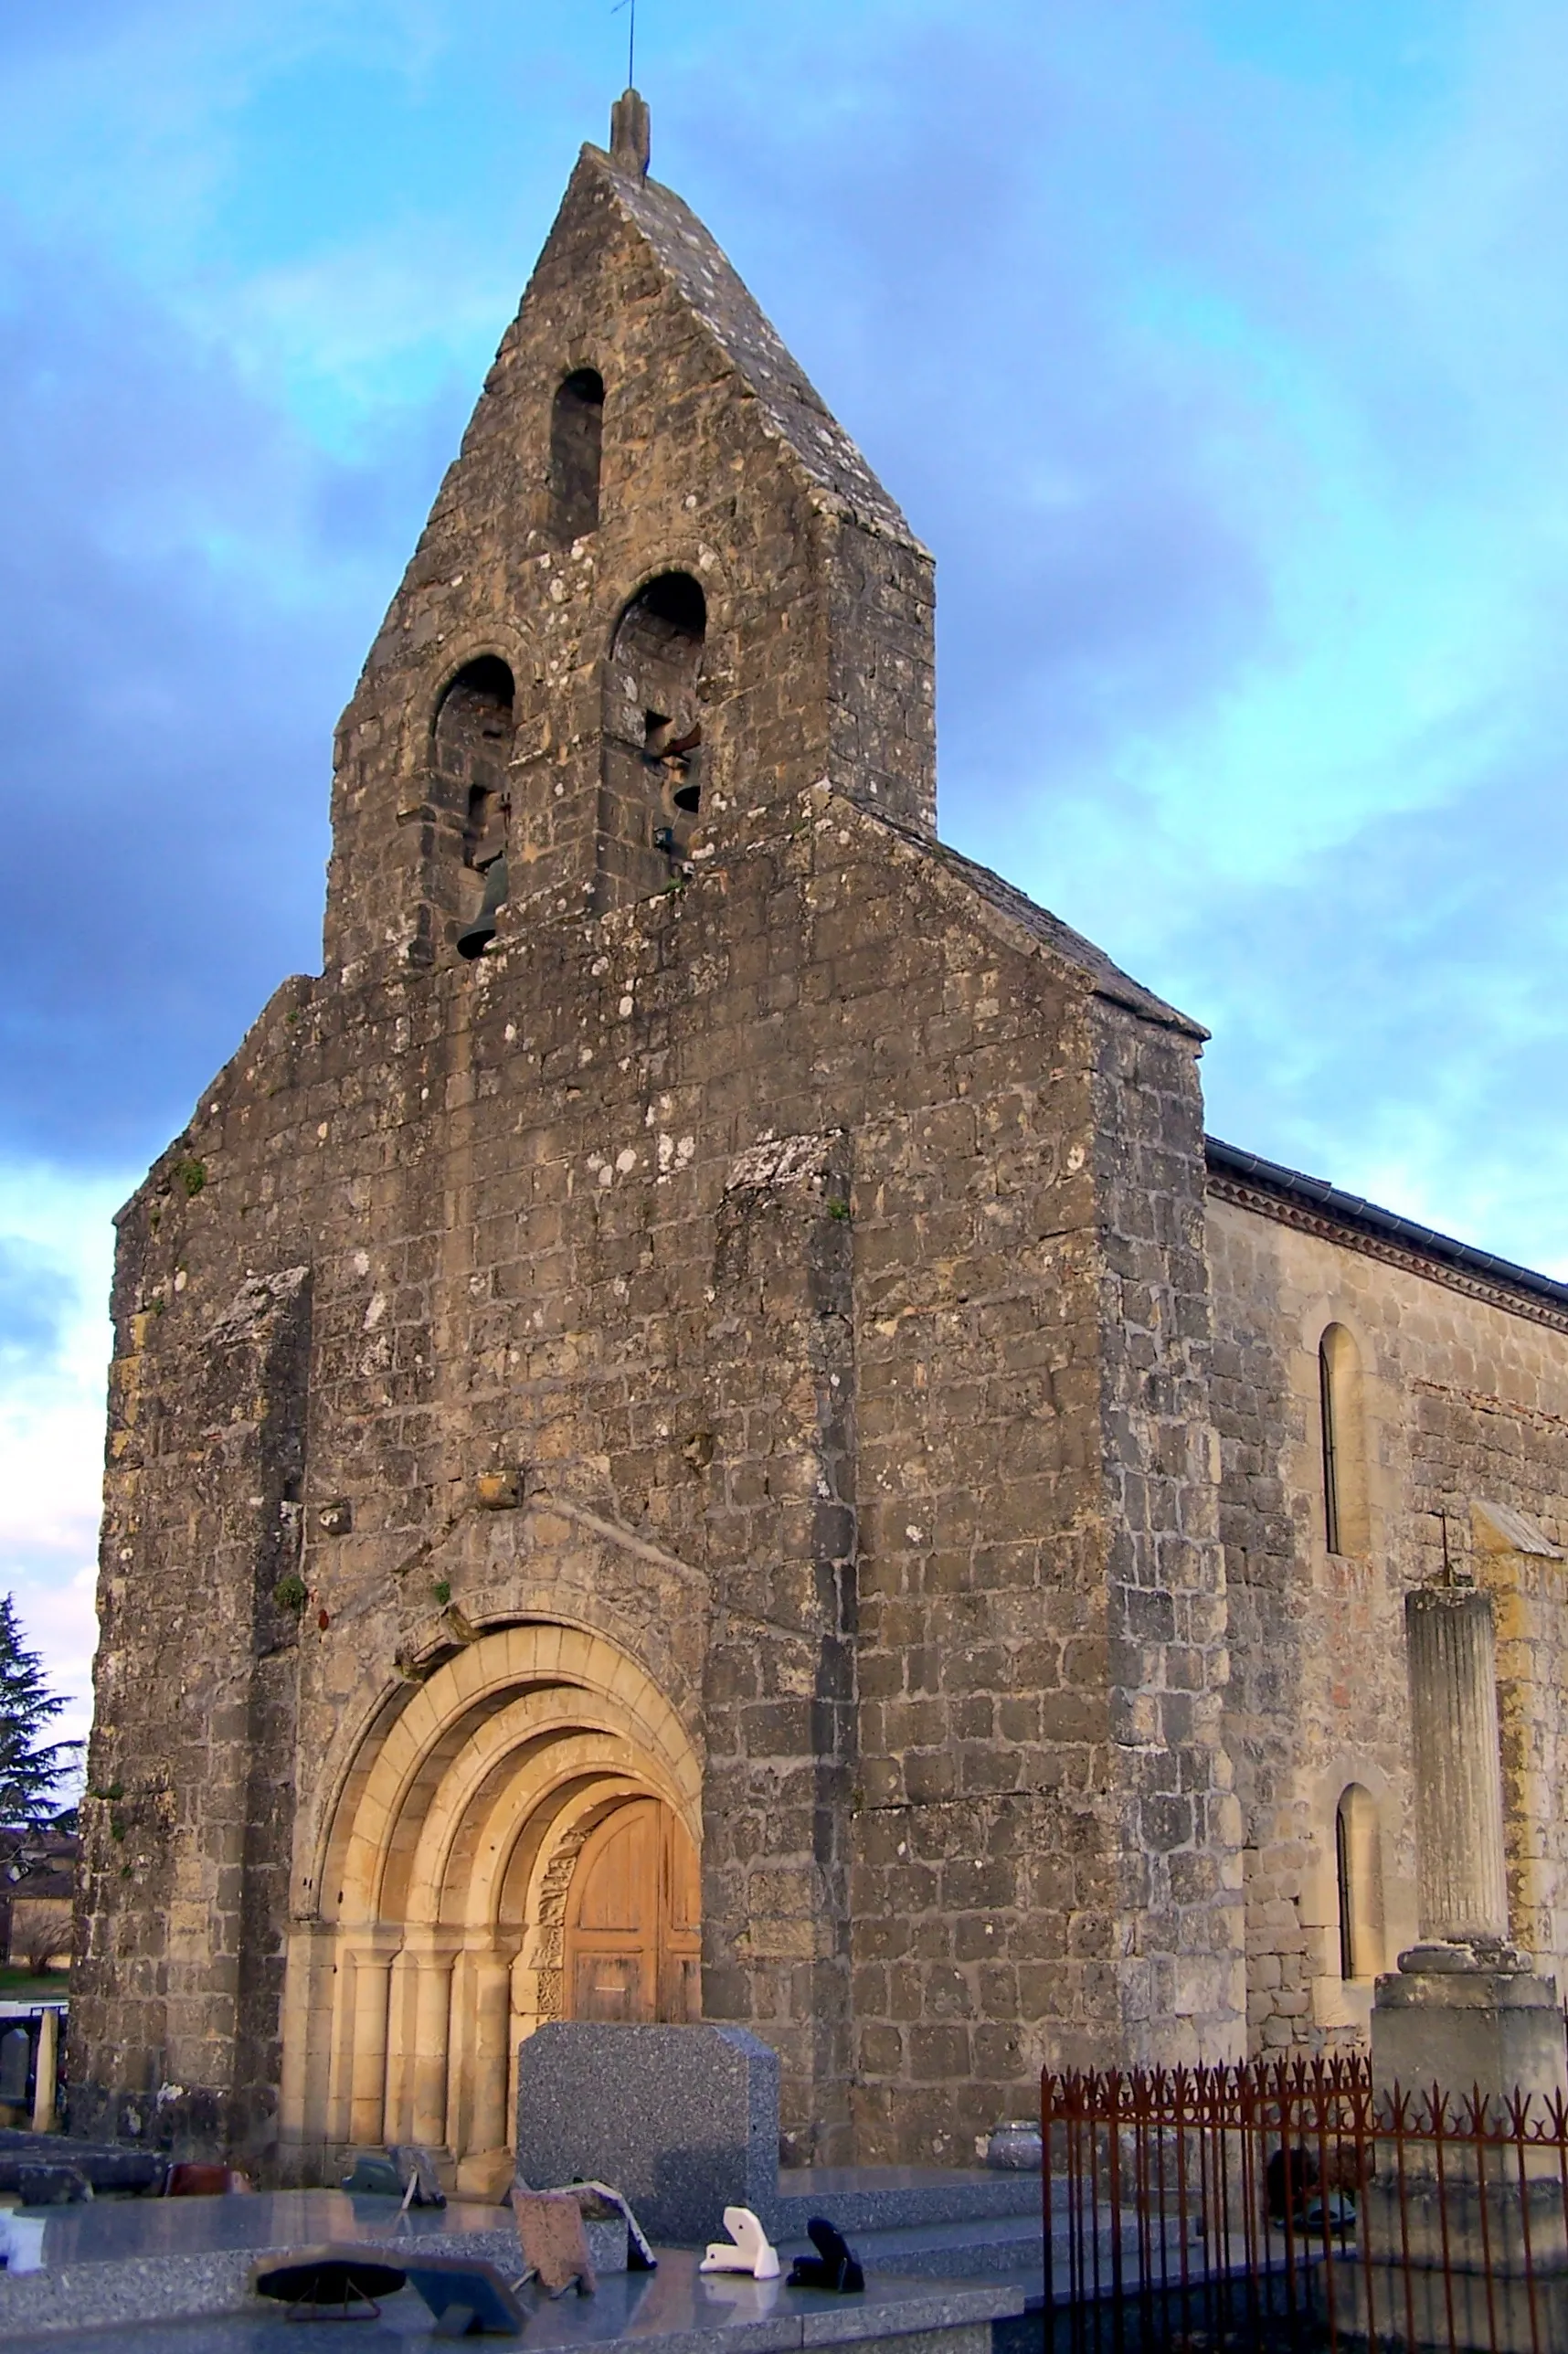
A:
[(486, 2174), (1468, 2017), (1419, 2307), (1445, 2263)]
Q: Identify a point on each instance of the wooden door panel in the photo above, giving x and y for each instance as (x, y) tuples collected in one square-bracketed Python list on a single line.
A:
[(681, 1990), (683, 1880), (633, 1937), (618, 1889), (607, 1986)]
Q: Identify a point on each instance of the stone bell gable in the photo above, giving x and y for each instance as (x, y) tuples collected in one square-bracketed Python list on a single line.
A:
[(642, 429), (661, 1457)]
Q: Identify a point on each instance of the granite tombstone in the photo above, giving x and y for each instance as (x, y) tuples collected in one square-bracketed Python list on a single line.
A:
[(684, 2120)]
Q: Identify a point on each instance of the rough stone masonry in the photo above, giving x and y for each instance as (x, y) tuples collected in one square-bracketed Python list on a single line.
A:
[(663, 1454)]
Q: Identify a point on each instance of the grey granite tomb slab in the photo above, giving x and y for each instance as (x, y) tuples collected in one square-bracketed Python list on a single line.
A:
[(121, 2261), (108, 2166), (675, 2310), (684, 2120)]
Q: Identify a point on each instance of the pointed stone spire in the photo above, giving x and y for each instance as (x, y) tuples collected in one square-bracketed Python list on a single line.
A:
[(630, 138)]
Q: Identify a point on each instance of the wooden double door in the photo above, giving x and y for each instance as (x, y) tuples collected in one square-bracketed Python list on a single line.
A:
[(633, 1929)]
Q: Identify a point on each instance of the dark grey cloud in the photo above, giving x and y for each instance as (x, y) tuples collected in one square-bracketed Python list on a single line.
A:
[(186, 589)]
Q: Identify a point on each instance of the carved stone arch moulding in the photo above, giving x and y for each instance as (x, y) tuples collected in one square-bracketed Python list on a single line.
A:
[(396, 1741), (432, 1941)]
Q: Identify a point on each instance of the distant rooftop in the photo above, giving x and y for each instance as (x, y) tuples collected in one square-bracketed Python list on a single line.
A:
[(1313, 1203)]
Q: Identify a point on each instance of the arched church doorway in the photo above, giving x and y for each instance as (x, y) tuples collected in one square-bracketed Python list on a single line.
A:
[(514, 1842), (633, 1937)]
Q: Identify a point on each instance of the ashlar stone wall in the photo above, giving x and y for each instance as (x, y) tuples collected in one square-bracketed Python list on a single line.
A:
[(1462, 1422)]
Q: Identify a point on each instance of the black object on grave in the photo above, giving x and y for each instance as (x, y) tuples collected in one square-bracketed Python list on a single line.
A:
[(834, 2266), (332, 2282)]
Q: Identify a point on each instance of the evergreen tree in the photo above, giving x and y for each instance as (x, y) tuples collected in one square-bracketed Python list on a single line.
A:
[(30, 1766)]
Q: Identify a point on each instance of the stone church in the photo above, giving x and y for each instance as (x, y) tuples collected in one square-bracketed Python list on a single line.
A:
[(697, 1428)]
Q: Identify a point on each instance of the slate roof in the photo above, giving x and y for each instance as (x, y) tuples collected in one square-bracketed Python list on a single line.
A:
[(1365, 1219), (709, 284)]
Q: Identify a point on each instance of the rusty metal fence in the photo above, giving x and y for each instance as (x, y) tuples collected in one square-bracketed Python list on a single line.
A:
[(1288, 2206)]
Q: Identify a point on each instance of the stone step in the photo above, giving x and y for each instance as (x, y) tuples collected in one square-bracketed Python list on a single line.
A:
[(985, 2248), (893, 2198)]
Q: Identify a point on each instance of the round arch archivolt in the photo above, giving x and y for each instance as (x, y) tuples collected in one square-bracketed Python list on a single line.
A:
[(441, 1877)]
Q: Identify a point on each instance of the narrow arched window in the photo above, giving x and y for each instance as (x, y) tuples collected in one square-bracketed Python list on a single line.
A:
[(577, 445), (1343, 1443), (1358, 1858), (1329, 1410), (473, 755), (651, 787)]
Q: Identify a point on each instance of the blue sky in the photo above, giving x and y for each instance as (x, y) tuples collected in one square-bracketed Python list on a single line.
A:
[(1219, 350)]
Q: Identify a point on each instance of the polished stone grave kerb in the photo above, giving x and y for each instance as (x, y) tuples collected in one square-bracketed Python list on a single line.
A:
[(674, 2310)]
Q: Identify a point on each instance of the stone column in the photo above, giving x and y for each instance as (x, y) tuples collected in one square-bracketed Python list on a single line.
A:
[(371, 1977), (1465, 2009), (46, 2071), (1467, 2012), (399, 2096), (432, 2014), (1451, 1650), (492, 2011)]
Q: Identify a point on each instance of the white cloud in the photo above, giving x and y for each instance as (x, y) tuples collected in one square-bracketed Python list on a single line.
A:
[(51, 1423)]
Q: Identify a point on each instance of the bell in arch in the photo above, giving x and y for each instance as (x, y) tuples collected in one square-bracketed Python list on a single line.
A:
[(476, 936)]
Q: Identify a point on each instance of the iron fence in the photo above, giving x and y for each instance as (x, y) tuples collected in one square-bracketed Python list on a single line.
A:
[(1291, 2206)]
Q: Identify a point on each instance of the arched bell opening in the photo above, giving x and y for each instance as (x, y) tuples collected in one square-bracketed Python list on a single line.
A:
[(455, 1906), (475, 727), (650, 788), (577, 444)]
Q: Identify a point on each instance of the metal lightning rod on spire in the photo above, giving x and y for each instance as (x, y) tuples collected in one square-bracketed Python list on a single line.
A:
[(630, 39)]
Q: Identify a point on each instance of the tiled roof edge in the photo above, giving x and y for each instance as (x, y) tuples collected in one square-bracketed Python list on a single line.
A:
[(1315, 1206)]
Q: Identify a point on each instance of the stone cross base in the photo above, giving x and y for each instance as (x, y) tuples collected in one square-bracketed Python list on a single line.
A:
[(1482, 2225), (1418, 2306), (1474, 2018), (1468, 2017)]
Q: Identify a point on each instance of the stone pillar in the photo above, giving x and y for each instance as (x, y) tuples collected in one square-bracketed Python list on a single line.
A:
[(313, 2106), (493, 2013), (1467, 2012), (397, 2099), (1451, 1650), (46, 2071), (780, 1693), (368, 2078), (432, 2014), (1465, 2009)]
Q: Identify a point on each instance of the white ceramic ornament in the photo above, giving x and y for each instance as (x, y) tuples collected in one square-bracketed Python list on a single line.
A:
[(747, 2250)]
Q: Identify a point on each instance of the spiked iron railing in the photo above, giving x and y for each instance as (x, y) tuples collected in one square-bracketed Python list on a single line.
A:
[(1288, 2206)]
